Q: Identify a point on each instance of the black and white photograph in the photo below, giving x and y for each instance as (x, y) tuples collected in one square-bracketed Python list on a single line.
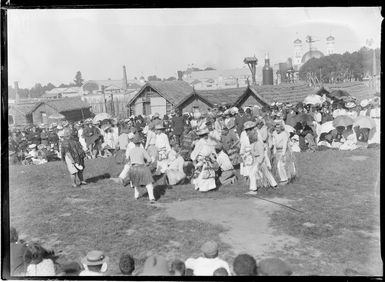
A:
[(192, 142)]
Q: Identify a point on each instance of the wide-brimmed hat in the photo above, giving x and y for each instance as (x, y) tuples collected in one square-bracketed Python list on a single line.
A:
[(32, 146), (40, 146), (350, 105), (219, 146), (156, 115), (210, 248), (159, 126), (203, 131), (249, 124), (106, 126), (274, 266), (131, 135), (155, 265), (197, 115), (59, 127), (95, 258)]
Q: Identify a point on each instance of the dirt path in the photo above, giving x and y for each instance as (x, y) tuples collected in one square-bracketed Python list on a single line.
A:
[(246, 221)]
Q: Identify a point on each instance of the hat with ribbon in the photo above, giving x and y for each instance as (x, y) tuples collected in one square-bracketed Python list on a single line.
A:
[(249, 125), (203, 131), (95, 258)]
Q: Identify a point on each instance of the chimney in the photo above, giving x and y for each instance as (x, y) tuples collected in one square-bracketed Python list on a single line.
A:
[(124, 78), (17, 99), (180, 75)]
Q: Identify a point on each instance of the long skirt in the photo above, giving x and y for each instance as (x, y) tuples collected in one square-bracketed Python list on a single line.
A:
[(174, 176), (140, 175), (204, 184), (284, 166)]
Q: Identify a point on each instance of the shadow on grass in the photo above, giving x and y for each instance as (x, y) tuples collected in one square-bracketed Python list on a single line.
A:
[(95, 179)]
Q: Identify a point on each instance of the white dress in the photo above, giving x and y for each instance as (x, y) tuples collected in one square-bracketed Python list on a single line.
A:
[(375, 136), (244, 142)]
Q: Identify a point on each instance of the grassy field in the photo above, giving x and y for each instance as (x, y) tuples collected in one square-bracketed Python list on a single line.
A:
[(337, 193)]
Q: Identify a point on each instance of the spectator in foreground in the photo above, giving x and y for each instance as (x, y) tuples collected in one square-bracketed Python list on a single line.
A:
[(38, 260), (126, 264), (221, 272), (178, 268), (245, 265), (72, 268), (206, 265), (274, 267), (17, 250), (155, 266), (95, 264)]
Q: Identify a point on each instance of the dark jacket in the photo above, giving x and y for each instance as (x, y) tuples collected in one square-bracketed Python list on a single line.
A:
[(177, 124)]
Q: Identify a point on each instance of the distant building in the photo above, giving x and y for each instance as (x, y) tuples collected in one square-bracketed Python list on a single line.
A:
[(301, 58), (159, 97), (220, 79), (61, 92)]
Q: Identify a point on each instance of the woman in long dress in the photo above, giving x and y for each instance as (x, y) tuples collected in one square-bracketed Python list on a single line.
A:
[(174, 171), (203, 160), (72, 153), (150, 142), (284, 163)]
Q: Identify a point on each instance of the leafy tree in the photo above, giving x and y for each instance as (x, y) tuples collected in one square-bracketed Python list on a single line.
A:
[(37, 90), (153, 78), (78, 79), (209, 68), (171, 78)]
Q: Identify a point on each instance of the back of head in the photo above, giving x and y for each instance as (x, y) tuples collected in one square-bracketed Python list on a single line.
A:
[(210, 249), (245, 264), (126, 264), (221, 272), (35, 254), (274, 267), (178, 267)]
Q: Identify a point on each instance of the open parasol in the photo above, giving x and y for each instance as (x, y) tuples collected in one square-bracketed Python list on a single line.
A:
[(364, 122), (101, 117), (343, 120), (313, 100), (338, 94)]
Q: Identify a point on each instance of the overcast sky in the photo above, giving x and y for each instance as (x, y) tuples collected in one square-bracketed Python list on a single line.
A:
[(52, 45)]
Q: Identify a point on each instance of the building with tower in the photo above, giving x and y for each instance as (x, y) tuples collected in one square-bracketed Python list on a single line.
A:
[(330, 45)]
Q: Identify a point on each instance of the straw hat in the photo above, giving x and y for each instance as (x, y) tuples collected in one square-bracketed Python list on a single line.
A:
[(203, 131), (156, 115), (350, 105), (95, 258), (249, 125), (131, 135), (32, 146), (159, 126)]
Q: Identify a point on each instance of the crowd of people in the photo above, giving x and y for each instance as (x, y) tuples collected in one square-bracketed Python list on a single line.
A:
[(32, 259), (209, 149)]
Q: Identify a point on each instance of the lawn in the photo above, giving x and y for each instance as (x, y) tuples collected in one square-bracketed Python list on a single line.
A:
[(338, 225)]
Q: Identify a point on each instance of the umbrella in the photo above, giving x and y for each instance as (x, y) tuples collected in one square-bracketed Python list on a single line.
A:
[(364, 122), (100, 117), (343, 121), (327, 127), (56, 116), (305, 118), (313, 100), (338, 94), (289, 128)]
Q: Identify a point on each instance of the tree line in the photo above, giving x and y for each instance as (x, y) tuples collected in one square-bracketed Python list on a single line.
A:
[(346, 67)]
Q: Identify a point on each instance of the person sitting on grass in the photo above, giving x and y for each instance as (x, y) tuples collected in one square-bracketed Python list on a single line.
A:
[(16, 250), (174, 171), (126, 264), (221, 272), (95, 264), (73, 155), (226, 170), (274, 267), (245, 265), (206, 265), (178, 268), (39, 261)]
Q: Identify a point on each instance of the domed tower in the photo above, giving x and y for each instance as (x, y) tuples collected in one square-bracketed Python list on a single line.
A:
[(267, 72), (297, 53), (330, 45)]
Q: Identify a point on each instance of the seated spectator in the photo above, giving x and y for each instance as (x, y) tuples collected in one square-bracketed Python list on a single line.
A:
[(206, 265), (274, 267), (38, 260), (245, 265), (155, 266), (226, 170), (17, 250), (178, 268), (174, 171), (295, 143), (349, 139), (221, 272), (95, 264), (126, 264)]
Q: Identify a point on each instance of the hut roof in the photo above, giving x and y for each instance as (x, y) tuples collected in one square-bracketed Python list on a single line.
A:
[(283, 93), (356, 89), (65, 104)]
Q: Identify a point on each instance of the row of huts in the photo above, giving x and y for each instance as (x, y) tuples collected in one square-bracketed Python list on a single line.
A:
[(163, 96)]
